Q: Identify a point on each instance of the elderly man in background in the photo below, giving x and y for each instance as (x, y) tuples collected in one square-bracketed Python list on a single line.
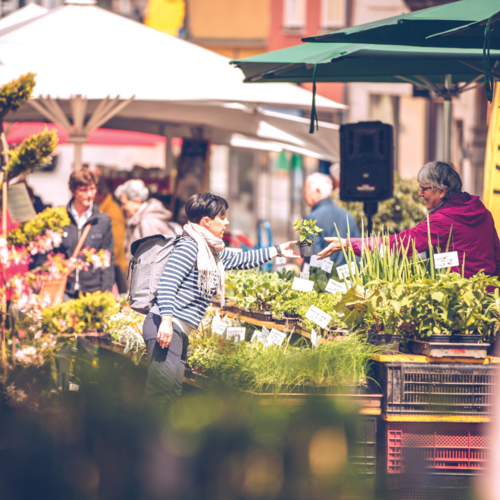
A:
[(145, 217), (317, 193)]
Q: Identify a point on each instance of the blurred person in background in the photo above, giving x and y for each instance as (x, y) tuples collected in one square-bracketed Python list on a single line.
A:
[(108, 205), (83, 211), (145, 217), (317, 193)]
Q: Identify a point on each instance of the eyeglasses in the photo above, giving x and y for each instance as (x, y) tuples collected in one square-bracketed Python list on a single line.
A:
[(425, 189)]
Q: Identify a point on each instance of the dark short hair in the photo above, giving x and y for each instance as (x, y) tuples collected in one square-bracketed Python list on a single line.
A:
[(205, 205), (82, 177)]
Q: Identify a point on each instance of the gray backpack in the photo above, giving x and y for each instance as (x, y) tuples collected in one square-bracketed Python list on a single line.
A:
[(149, 258)]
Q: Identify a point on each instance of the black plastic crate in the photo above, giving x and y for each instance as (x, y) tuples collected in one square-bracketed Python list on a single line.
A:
[(453, 389), (363, 448), (430, 487)]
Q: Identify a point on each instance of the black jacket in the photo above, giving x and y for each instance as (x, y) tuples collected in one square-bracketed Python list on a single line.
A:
[(100, 237)]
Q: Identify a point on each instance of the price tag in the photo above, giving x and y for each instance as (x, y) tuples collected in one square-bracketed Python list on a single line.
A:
[(318, 316), (302, 285), (305, 271), (315, 338), (280, 261), (256, 336), (326, 265), (344, 270), (334, 287), (264, 334), (447, 259), (236, 333), (218, 326), (314, 262), (275, 337)]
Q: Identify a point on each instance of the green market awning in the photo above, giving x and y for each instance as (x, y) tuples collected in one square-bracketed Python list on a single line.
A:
[(458, 24)]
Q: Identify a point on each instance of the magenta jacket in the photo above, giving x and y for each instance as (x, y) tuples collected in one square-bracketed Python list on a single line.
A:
[(473, 234)]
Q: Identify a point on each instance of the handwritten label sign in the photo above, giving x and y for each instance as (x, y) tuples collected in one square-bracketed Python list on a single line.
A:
[(275, 337), (279, 263), (447, 259), (326, 265), (218, 326), (256, 336), (235, 333), (318, 316), (264, 334), (315, 338), (305, 271), (335, 287), (343, 271), (302, 285)]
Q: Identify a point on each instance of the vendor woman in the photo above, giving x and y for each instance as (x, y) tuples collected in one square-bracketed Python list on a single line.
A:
[(473, 233), (194, 273)]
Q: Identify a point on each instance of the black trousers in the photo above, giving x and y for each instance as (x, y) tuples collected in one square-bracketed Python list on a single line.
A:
[(165, 367)]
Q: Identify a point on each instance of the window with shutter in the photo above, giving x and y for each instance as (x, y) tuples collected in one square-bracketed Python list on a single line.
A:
[(294, 14), (333, 14)]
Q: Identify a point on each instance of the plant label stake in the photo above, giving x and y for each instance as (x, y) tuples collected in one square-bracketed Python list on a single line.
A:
[(447, 259), (343, 271), (275, 337), (257, 335), (318, 316), (218, 326), (326, 265), (315, 338), (264, 334), (305, 271), (236, 333), (302, 285), (314, 262), (279, 263), (334, 287)]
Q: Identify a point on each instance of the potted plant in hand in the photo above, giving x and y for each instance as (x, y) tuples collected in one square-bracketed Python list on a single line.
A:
[(307, 230)]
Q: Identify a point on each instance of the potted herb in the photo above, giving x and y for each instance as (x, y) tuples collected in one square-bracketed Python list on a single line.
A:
[(307, 229)]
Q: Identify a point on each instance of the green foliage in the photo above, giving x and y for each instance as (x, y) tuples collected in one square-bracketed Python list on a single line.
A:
[(401, 212), (258, 290), (14, 94), (34, 152), (53, 219), (307, 230), (87, 313), (246, 367)]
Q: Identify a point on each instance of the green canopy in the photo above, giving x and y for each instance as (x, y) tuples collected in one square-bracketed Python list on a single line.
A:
[(458, 24), (341, 62), (432, 68)]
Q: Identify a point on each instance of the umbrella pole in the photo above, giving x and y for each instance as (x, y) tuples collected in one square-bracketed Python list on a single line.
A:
[(447, 118)]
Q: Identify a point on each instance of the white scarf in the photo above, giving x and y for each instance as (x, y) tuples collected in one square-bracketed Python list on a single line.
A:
[(210, 267)]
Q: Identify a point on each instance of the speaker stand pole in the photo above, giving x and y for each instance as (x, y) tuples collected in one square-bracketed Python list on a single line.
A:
[(370, 208)]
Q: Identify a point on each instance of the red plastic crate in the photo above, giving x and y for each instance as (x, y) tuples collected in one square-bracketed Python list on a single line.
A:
[(440, 446)]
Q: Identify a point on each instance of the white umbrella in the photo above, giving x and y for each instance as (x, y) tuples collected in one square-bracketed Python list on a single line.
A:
[(82, 50)]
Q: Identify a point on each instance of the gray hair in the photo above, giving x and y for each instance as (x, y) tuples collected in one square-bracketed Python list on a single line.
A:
[(322, 182), (133, 189), (441, 175)]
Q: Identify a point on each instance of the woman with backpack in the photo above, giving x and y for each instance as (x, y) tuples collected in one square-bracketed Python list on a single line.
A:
[(193, 274)]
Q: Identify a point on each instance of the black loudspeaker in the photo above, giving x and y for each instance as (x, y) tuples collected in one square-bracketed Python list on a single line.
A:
[(366, 162)]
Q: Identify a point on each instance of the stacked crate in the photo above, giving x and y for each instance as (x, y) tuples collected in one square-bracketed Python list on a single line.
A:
[(434, 433)]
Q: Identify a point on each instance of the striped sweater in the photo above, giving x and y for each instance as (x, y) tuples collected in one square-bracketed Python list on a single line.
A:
[(178, 293)]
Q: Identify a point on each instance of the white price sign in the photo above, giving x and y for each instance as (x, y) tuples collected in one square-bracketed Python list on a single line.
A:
[(315, 338), (235, 333), (343, 271), (275, 337), (318, 316), (334, 287), (305, 271), (257, 336), (280, 261), (448, 259), (314, 262), (264, 334), (218, 326), (302, 285), (326, 265)]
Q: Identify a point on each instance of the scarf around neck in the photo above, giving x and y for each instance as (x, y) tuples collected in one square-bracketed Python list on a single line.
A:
[(210, 267)]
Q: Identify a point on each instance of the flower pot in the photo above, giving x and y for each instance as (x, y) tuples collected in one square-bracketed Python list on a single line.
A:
[(440, 338), (391, 341), (306, 249), (262, 316), (463, 338)]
